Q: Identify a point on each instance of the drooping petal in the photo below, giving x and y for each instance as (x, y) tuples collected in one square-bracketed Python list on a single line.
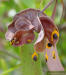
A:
[(23, 24), (27, 20), (30, 14), (48, 26)]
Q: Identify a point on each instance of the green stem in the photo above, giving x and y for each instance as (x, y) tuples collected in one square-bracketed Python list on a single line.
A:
[(29, 66), (10, 70)]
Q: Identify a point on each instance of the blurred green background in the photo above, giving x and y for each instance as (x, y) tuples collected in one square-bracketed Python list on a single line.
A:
[(9, 55)]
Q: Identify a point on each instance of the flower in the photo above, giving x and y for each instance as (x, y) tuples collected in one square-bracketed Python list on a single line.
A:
[(21, 30)]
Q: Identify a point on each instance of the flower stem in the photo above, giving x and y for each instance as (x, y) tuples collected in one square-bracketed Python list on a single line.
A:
[(29, 66)]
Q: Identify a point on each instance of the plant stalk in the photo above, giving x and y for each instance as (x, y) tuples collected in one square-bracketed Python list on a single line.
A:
[(29, 66)]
